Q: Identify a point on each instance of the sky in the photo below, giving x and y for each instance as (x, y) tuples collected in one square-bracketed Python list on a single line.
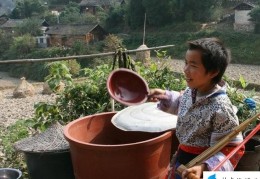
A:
[(6, 6)]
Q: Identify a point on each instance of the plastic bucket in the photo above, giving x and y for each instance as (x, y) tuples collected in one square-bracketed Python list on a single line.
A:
[(100, 150)]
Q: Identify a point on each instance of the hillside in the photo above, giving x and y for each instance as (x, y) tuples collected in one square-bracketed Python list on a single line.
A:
[(245, 47)]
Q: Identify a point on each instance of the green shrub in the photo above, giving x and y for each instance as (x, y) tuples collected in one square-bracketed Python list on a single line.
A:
[(238, 98), (32, 71), (8, 136), (90, 96), (78, 99), (243, 46), (112, 43), (74, 67)]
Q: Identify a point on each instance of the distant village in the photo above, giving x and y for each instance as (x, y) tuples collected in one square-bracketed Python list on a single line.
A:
[(67, 34), (61, 34)]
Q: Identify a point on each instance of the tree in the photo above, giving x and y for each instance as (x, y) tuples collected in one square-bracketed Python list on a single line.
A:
[(116, 17), (51, 18), (135, 13), (78, 48), (164, 12), (101, 15), (71, 15), (195, 10), (5, 42), (62, 2), (30, 26), (22, 45), (255, 14), (27, 8), (159, 12)]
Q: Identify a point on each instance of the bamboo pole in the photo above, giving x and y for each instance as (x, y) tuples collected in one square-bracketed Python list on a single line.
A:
[(112, 104), (144, 27), (248, 137), (216, 148), (78, 56)]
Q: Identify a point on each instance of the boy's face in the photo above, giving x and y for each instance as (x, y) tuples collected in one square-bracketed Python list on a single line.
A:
[(195, 72)]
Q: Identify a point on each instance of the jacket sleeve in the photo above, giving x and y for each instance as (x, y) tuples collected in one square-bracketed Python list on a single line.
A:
[(230, 164), (171, 103)]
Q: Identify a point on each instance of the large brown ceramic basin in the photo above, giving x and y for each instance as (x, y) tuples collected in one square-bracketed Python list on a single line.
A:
[(99, 150)]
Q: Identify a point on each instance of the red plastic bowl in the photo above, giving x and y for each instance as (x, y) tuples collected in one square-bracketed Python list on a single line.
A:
[(127, 87)]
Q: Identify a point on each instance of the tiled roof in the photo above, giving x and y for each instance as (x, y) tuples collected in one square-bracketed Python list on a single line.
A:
[(71, 29), (98, 2), (246, 5), (12, 23)]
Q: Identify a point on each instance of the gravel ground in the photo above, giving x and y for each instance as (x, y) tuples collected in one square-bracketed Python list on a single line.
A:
[(12, 109), (250, 73)]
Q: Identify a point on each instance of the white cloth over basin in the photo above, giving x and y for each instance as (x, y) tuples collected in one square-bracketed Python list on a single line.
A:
[(145, 117)]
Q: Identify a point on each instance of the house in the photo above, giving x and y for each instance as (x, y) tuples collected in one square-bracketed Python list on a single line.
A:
[(42, 41), (3, 19), (66, 35), (11, 24), (90, 6), (242, 17)]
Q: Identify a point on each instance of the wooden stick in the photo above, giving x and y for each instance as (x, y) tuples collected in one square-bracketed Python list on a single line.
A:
[(79, 56), (112, 104), (217, 147), (248, 137)]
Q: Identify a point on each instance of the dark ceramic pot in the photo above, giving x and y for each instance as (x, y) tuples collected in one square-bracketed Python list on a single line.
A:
[(49, 165)]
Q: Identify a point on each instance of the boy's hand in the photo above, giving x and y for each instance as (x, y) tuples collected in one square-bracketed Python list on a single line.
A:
[(156, 94), (196, 170)]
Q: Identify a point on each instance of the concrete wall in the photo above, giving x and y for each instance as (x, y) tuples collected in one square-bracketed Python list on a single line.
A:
[(42, 41), (242, 22), (242, 17)]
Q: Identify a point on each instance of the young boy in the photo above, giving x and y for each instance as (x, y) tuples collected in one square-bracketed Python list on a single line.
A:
[(205, 113)]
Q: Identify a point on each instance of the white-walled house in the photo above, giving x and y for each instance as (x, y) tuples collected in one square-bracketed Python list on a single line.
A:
[(242, 17), (42, 41)]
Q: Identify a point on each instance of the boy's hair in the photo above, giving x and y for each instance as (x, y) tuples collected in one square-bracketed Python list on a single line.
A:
[(215, 56)]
